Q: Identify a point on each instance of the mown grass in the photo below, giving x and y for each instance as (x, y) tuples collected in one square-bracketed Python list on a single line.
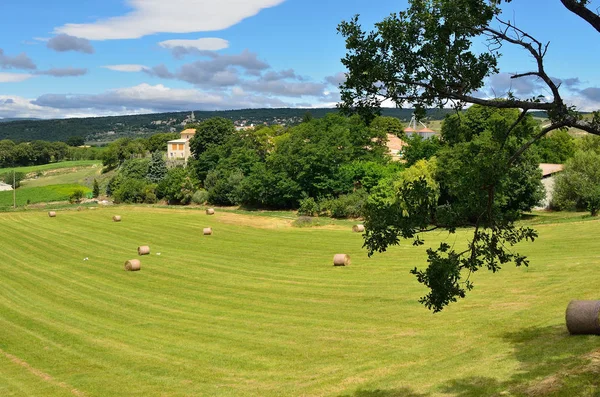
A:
[(42, 194), (257, 309)]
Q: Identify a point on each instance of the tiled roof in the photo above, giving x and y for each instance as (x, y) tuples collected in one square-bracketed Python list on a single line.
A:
[(549, 169)]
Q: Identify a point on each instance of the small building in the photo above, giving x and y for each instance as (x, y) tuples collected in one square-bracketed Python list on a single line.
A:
[(424, 132), (549, 172), (4, 187), (395, 146), (179, 149)]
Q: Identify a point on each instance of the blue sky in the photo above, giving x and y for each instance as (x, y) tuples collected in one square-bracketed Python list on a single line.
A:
[(85, 58)]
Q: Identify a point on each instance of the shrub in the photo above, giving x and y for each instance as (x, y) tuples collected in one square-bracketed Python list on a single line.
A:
[(134, 191), (76, 196), (308, 207), (8, 178), (200, 197), (345, 206), (178, 186)]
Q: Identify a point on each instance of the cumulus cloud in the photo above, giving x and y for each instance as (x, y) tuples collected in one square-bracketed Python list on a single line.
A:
[(21, 61), (65, 42), (129, 68), (337, 79), (282, 75), (216, 71), (14, 77), (285, 88), (173, 16), (180, 48), (152, 98), (64, 72), (502, 83)]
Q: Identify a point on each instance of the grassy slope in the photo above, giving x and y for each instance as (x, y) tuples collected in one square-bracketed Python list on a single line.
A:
[(261, 311), (53, 166), (58, 182)]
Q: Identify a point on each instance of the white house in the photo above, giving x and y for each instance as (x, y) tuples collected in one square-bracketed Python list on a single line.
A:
[(549, 172), (179, 149)]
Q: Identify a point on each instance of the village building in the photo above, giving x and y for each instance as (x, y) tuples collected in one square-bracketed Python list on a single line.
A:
[(424, 132), (395, 146), (549, 172), (179, 149)]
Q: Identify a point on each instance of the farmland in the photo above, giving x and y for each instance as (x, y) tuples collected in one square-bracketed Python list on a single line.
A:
[(258, 309)]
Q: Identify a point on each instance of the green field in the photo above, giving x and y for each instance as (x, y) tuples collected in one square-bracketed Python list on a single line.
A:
[(41, 194), (257, 309), (54, 166)]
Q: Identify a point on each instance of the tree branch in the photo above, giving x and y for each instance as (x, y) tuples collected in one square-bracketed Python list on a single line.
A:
[(539, 136), (579, 9)]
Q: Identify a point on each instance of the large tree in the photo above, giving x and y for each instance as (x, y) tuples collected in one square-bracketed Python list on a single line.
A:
[(425, 57)]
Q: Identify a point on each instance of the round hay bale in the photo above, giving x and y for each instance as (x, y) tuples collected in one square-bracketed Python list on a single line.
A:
[(144, 250), (133, 265), (210, 211), (583, 317), (358, 228), (52, 214), (341, 260), (117, 218), (207, 231)]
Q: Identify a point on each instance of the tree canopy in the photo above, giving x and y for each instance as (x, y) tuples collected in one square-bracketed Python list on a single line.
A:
[(426, 56)]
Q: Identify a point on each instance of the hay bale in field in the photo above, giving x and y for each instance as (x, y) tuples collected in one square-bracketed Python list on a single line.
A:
[(210, 211), (52, 214), (117, 218), (583, 317), (358, 228), (144, 250), (341, 260), (80, 208), (133, 265), (207, 231)]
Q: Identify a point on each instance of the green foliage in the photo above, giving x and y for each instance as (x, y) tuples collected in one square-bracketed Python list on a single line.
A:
[(472, 182), (589, 143), (420, 148), (308, 207), (578, 186), (200, 197), (387, 125), (158, 142), (31, 153), (121, 150), (224, 188), (95, 189), (132, 191), (438, 34), (556, 148), (178, 186), (76, 196), (157, 169), (12, 178), (211, 132), (75, 141), (345, 206), (367, 174)]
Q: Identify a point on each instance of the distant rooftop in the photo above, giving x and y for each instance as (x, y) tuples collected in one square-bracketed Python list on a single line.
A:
[(549, 169)]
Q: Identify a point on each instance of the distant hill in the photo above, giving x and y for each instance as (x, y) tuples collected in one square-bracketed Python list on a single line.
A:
[(16, 119), (105, 129)]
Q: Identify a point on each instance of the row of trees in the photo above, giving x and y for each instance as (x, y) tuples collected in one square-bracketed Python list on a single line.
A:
[(42, 152)]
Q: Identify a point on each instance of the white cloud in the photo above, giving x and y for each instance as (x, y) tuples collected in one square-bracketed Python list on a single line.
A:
[(146, 98), (126, 68), (203, 44), (169, 16), (14, 77)]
